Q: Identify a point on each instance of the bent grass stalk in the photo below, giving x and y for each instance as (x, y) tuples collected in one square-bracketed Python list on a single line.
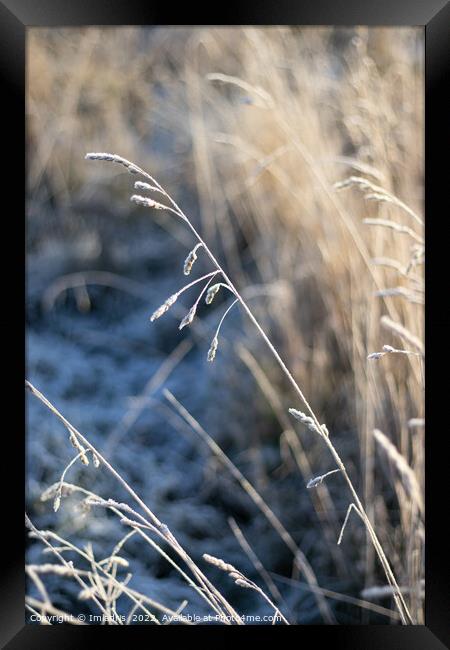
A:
[(215, 342), (398, 596)]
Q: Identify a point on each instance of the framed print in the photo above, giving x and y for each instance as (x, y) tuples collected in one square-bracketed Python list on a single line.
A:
[(227, 226)]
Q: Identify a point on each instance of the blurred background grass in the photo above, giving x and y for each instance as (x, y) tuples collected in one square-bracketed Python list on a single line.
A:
[(253, 162)]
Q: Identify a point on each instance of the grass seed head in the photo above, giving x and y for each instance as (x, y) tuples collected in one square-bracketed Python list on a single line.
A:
[(164, 307), (187, 320), (140, 185), (314, 482), (304, 419), (190, 259), (147, 202), (57, 502), (220, 564), (241, 582), (213, 349), (82, 451), (211, 293), (111, 157), (376, 355)]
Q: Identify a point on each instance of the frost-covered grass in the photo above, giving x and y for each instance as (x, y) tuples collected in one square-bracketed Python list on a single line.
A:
[(298, 158)]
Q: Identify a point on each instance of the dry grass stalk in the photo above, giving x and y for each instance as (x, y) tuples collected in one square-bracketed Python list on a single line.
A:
[(400, 463), (388, 349), (393, 225), (402, 292), (386, 592), (349, 509), (240, 83), (142, 401), (401, 331), (215, 340), (358, 602), (376, 193)]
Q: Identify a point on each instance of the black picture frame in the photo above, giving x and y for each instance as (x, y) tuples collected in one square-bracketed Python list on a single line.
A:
[(15, 17)]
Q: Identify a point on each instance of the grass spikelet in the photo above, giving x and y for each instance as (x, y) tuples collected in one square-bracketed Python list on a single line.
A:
[(140, 185), (305, 419), (376, 193), (83, 457), (164, 307), (213, 349), (58, 569), (217, 562), (375, 355), (187, 320), (190, 260), (57, 502), (315, 482), (169, 302), (215, 342), (120, 561), (241, 582), (111, 157), (147, 202), (388, 349), (211, 293)]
